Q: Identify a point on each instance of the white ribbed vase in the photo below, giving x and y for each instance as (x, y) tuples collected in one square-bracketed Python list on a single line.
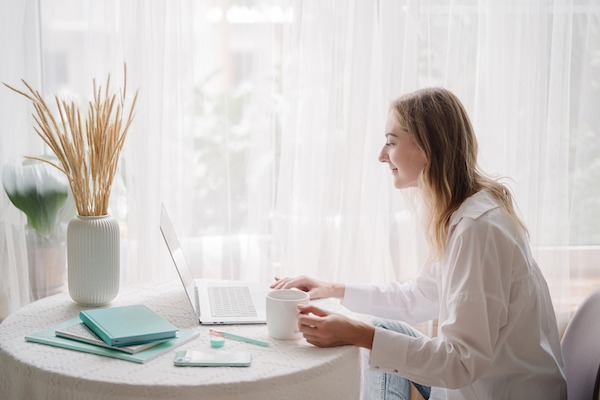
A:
[(93, 245)]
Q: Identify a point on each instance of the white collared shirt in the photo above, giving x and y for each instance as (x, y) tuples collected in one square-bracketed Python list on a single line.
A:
[(497, 332)]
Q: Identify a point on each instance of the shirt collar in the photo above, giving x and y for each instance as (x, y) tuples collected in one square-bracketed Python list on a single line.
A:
[(474, 207)]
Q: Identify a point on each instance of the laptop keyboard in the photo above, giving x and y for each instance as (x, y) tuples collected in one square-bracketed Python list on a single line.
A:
[(231, 301)]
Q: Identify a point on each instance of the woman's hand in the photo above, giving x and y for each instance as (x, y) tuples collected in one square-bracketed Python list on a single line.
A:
[(315, 288), (324, 329)]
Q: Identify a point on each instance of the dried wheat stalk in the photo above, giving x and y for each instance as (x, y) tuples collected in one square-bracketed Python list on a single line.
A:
[(88, 152)]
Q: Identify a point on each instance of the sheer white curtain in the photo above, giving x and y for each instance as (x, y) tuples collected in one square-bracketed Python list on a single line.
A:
[(259, 125), (338, 216), (20, 30), (58, 47), (526, 74)]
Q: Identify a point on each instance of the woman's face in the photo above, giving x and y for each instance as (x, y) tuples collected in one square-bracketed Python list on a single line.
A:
[(405, 158)]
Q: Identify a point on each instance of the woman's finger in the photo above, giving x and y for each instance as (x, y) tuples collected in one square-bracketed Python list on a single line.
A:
[(310, 321), (310, 309), (279, 283), (310, 338)]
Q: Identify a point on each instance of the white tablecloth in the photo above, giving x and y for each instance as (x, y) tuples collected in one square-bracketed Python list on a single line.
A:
[(285, 370)]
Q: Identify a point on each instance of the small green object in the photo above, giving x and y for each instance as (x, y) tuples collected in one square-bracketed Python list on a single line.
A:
[(217, 342)]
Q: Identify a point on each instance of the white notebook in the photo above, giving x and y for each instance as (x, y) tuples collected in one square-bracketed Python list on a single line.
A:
[(82, 333)]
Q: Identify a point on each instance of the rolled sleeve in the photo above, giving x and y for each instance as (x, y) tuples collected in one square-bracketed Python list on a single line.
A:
[(412, 301)]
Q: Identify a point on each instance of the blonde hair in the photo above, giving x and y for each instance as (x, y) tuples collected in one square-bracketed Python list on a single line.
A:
[(438, 123)]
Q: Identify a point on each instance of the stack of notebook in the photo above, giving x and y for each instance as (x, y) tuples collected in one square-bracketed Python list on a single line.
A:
[(133, 333)]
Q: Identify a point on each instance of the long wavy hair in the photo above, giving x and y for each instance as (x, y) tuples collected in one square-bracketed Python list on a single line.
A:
[(438, 123)]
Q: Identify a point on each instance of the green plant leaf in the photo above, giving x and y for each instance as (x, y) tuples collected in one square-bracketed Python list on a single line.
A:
[(37, 189)]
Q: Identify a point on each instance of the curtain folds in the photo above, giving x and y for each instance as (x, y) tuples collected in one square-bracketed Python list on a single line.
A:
[(259, 126)]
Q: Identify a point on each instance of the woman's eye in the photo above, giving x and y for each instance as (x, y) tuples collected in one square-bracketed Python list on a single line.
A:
[(389, 144)]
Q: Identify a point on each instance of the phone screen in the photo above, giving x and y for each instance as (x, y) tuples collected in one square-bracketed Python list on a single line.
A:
[(216, 358)]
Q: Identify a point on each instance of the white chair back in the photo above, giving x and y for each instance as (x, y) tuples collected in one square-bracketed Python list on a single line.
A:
[(581, 349)]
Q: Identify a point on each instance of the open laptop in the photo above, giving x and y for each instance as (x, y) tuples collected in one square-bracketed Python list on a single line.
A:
[(215, 302)]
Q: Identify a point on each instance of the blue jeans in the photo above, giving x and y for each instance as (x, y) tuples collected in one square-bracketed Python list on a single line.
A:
[(388, 386)]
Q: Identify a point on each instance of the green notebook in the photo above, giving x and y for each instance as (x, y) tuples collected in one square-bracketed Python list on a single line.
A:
[(47, 336), (128, 325)]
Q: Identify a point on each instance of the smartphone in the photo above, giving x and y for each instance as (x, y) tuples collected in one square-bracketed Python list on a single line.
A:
[(217, 358)]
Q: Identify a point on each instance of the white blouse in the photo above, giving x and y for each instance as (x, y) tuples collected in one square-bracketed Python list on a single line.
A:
[(497, 332)]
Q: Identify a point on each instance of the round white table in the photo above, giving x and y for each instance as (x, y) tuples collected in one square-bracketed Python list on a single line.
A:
[(285, 370)]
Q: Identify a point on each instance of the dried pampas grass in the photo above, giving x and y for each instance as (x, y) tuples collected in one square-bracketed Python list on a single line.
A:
[(87, 150)]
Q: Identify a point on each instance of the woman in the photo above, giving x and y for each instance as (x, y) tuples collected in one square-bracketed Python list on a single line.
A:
[(497, 332)]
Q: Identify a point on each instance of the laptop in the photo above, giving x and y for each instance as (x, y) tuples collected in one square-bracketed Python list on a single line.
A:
[(215, 302)]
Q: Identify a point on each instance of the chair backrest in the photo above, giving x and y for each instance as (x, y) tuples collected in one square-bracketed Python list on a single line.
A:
[(581, 348), (597, 386)]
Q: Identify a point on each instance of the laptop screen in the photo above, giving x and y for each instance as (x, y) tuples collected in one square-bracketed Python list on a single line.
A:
[(183, 269)]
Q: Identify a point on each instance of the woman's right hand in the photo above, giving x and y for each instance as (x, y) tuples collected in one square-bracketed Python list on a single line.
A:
[(316, 289)]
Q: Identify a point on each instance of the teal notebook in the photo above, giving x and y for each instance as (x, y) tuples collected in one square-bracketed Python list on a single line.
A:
[(128, 325), (47, 336)]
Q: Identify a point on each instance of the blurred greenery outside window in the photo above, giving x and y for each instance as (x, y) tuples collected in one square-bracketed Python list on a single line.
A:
[(224, 96)]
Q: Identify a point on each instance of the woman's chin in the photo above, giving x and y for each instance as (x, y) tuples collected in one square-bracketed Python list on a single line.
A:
[(400, 184)]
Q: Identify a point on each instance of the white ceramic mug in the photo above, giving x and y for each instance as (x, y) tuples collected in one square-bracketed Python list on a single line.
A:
[(282, 313)]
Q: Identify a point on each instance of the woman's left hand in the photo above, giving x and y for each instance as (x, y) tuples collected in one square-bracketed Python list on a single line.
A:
[(324, 329)]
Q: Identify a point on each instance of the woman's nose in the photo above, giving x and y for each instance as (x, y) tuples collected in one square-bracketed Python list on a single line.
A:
[(383, 157)]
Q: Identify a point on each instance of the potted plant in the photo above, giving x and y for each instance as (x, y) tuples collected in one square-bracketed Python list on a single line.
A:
[(87, 144), (40, 192)]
